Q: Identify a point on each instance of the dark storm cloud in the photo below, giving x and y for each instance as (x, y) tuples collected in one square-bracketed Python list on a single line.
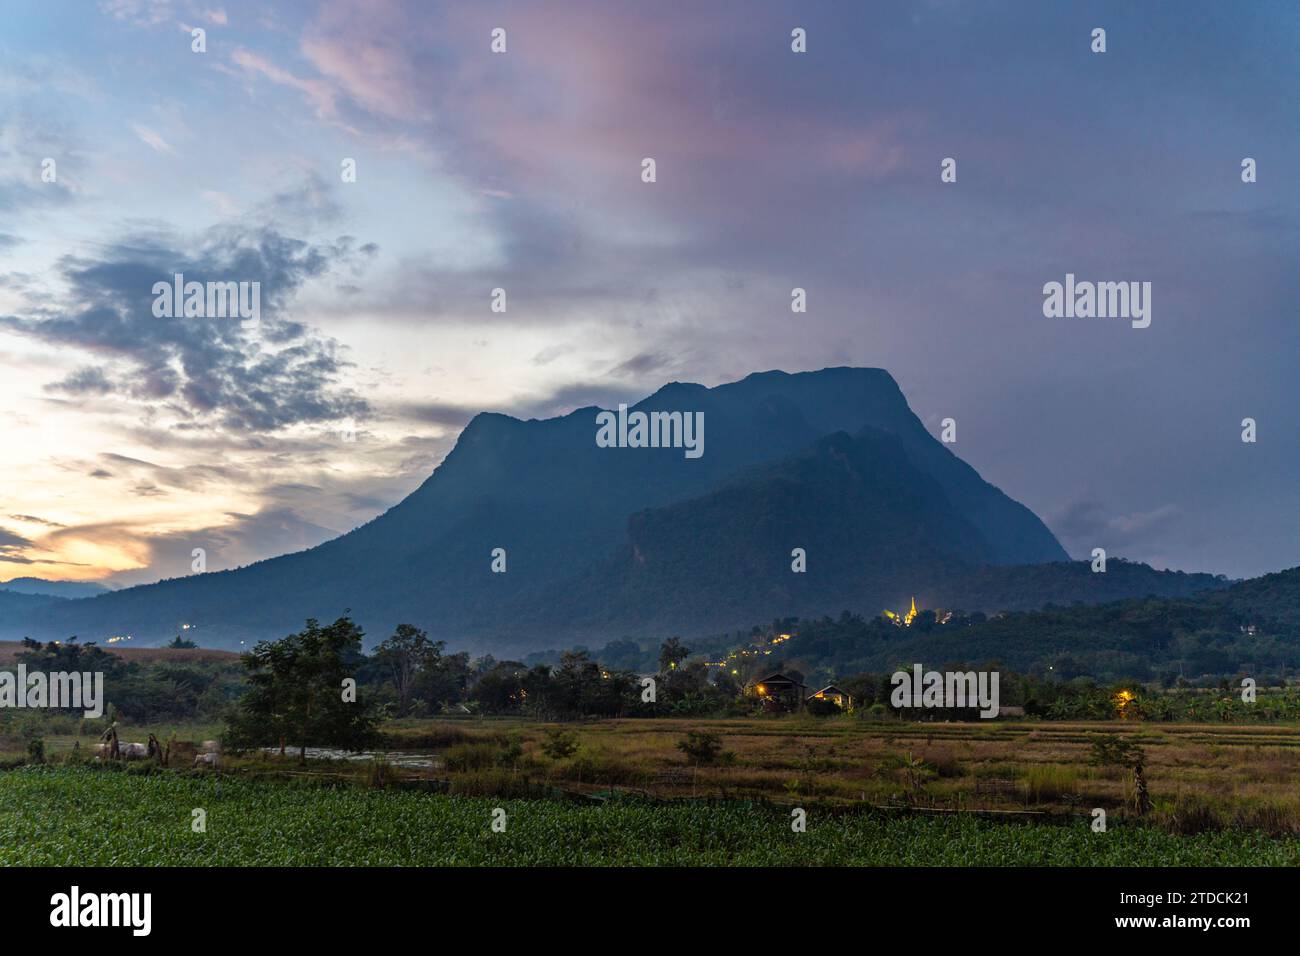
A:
[(210, 370)]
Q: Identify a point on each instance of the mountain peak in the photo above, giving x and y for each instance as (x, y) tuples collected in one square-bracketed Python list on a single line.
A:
[(833, 460)]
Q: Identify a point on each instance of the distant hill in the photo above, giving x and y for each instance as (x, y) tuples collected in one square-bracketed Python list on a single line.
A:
[(16, 608), (639, 541), (60, 589), (9, 651), (1251, 627)]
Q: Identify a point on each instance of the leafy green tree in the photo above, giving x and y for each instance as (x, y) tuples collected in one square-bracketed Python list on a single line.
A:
[(295, 691), (403, 657)]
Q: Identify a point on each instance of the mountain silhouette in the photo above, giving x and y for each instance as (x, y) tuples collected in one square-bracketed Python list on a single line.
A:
[(625, 541)]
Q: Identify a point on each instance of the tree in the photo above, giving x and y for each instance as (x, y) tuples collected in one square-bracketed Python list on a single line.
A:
[(671, 654), (1111, 750), (404, 655), (181, 644), (296, 691), (500, 688)]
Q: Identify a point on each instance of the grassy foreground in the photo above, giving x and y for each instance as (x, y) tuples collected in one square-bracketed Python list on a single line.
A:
[(91, 817)]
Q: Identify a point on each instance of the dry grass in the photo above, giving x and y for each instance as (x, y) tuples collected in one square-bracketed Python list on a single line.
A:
[(1241, 774)]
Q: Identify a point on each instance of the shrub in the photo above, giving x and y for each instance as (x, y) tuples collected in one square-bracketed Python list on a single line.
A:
[(559, 744), (464, 758), (510, 751), (703, 749), (823, 708)]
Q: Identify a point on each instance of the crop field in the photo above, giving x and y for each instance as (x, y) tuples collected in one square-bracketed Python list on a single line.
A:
[(1218, 774), (625, 792), (93, 816)]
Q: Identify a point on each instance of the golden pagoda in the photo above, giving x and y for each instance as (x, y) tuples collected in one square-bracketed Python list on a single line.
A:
[(905, 619)]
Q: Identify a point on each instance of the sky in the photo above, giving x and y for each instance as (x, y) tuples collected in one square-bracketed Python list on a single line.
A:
[(129, 439)]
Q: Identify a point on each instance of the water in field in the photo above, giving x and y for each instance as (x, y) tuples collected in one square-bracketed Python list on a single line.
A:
[(398, 758)]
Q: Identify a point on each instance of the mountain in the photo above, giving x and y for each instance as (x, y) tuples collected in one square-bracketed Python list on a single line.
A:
[(870, 523), (626, 540), (16, 608), (60, 589)]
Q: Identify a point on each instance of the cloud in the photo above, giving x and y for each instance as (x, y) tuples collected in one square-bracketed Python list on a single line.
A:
[(32, 519), (317, 92), (152, 139), (643, 364), (28, 137), (9, 539), (144, 13), (89, 380), (12, 546), (1087, 524), (204, 372)]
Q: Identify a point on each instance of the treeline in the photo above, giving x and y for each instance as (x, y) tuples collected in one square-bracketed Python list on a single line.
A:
[(1251, 629), (142, 691)]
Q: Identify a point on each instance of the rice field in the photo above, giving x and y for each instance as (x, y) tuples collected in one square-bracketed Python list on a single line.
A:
[(1244, 774)]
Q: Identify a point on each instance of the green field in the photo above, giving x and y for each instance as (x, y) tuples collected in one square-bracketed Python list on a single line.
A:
[(94, 817)]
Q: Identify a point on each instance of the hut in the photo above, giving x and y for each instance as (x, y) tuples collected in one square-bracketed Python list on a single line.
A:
[(779, 689), (835, 695)]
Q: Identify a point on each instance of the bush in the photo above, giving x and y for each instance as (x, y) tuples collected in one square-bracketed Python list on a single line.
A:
[(36, 750), (823, 708), (559, 744), (703, 749), (465, 758), (510, 751)]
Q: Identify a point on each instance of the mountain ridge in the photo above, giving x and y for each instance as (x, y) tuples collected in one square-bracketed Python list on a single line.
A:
[(563, 509)]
